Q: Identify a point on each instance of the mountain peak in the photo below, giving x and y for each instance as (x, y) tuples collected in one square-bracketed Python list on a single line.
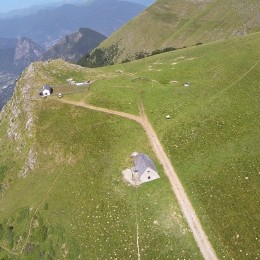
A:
[(179, 24), (75, 46), (27, 51)]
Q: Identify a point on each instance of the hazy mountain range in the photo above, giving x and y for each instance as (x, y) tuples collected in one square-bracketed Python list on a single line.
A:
[(20, 8), (75, 46), (49, 25), (16, 55), (25, 38)]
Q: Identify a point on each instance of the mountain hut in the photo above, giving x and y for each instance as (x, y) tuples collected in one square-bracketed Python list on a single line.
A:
[(144, 169), (47, 90)]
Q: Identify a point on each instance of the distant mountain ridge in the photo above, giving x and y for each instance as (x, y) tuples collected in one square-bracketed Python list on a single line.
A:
[(75, 46), (26, 52), (48, 26), (178, 24), (16, 54), (33, 8)]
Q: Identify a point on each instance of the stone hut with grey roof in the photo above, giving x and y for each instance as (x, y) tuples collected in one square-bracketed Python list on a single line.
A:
[(144, 169)]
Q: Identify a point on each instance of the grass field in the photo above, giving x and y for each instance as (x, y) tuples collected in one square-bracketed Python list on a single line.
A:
[(213, 137), (74, 203), (212, 140)]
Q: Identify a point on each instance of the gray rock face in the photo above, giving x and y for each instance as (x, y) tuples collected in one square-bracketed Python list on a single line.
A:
[(27, 52), (21, 120), (75, 46), (15, 56)]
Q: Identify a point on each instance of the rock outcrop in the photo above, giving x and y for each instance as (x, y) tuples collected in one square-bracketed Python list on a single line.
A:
[(20, 120), (26, 52), (75, 46)]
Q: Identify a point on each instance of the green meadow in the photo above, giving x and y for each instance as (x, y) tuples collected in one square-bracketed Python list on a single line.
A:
[(212, 137), (75, 202)]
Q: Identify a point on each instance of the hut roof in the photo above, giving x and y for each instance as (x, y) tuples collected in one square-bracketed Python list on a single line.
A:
[(142, 162), (47, 87)]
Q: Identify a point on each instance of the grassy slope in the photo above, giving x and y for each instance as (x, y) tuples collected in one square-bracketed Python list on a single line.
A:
[(177, 23), (74, 199), (213, 136), (212, 140)]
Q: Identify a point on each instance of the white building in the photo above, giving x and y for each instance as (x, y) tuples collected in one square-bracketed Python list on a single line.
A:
[(143, 171), (47, 90)]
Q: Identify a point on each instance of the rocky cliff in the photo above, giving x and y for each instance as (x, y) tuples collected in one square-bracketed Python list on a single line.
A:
[(15, 56), (75, 46), (26, 52)]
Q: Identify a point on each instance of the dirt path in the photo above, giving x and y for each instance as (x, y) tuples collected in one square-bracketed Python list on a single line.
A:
[(186, 207)]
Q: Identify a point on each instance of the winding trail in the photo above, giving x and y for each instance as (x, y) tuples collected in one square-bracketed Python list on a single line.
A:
[(200, 237)]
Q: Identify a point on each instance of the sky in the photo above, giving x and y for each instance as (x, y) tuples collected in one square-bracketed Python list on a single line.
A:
[(8, 5)]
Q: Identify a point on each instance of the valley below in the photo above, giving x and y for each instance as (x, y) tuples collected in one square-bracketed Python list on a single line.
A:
[(7, 85)]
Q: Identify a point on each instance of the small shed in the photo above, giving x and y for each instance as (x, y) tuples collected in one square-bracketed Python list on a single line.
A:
[(47, 90), (144, 169)]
